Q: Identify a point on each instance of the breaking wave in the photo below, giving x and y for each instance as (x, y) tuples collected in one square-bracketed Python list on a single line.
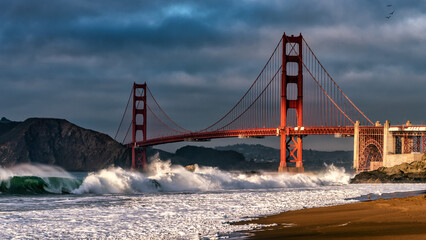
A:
[(160, 177), (36, 179), (164, 177)]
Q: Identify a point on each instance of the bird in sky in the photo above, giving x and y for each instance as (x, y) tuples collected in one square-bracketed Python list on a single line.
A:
[(390, 14)]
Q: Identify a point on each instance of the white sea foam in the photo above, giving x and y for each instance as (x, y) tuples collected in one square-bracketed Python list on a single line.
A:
[(335, 175), (164, 177), (165, 215)]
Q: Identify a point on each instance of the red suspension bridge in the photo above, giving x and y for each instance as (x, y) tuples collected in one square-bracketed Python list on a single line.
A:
[(292, 97)]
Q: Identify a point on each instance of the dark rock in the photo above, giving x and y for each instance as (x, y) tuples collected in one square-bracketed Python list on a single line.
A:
[(414, 172)]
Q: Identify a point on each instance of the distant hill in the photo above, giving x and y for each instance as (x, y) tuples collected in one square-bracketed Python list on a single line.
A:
[(257, 153), (313, 160), (207, 157), (223, 159)]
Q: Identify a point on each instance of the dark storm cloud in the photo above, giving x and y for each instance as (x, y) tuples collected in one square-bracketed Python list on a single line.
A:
[(78, 59)]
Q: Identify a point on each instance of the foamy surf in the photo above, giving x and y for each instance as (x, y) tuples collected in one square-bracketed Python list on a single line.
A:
[(160, 177), (157, 204), (164, 177)]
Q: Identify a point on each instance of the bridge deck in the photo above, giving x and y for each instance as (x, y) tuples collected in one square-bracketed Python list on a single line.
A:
[(246, 133)]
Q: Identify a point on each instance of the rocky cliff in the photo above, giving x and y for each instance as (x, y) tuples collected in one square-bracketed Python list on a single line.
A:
[(58, 142), (403, 173)]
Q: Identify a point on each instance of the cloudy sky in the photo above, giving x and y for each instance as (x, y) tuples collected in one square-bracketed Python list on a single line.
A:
[(78, 59)]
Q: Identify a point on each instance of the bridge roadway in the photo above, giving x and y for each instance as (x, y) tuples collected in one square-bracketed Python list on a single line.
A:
[(248, 133)]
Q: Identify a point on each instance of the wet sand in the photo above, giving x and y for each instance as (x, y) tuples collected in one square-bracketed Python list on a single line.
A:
[(398, 218)]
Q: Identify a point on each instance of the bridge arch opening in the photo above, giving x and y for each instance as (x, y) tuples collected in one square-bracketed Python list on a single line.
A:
[(372, 153)]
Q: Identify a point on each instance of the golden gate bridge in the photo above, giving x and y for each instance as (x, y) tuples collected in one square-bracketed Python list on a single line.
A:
[(292, 97)]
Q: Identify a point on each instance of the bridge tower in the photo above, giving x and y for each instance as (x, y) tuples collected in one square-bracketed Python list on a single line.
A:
[(291, 53), (139, 125)]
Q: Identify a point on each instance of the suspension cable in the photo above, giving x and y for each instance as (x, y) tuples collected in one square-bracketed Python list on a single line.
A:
[(162, 121), (124, 114), (269, 83), (273, 53), (336, 83), (165, 114)]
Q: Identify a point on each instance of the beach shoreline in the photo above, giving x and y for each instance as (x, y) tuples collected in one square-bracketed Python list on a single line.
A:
[(394, 216)]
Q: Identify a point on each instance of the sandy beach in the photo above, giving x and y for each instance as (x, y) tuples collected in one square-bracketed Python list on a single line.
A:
[(398, 218)]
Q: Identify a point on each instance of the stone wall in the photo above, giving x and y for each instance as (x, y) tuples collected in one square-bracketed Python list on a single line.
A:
[(395, 159)]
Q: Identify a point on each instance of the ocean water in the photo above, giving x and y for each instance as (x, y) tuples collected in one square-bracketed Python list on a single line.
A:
[(167, 202)]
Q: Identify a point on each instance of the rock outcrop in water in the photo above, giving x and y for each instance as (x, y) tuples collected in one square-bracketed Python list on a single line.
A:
[(58, 142), (404, 173)]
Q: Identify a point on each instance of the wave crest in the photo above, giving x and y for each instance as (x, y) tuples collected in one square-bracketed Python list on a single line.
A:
[(164, 177), (36, 179), (161, 176)]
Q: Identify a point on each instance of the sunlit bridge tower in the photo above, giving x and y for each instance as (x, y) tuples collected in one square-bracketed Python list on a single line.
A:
[(139, 125), (291, 54)]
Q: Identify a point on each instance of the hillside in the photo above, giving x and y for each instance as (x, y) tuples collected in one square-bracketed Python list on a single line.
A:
[(58, 142)]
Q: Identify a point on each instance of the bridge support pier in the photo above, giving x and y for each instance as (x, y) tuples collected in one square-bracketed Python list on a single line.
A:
[(139, 158), (292, 53), (294, 148)]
